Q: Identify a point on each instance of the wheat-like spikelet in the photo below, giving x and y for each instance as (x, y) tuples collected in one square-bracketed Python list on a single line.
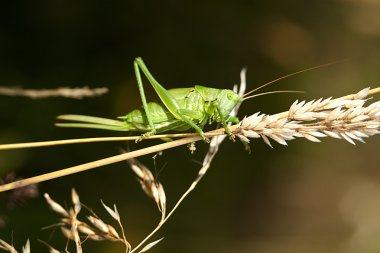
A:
[(95, 229), (348, 119), (150, 185)]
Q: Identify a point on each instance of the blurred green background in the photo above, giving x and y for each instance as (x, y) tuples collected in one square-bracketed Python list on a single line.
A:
[(308, 197)]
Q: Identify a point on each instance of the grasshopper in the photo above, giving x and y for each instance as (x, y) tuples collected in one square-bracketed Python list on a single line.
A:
[(180, 109)]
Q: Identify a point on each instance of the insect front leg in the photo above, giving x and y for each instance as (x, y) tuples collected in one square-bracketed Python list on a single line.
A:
[(224, 123)]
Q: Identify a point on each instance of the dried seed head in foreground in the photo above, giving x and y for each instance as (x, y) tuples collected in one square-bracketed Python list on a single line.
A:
[(73, 228), (150, 186)]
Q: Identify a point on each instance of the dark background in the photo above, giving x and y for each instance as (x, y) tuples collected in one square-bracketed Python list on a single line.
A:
[(308, 197)]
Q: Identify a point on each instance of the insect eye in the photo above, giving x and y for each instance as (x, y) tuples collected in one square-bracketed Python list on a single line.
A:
[(229, 96)]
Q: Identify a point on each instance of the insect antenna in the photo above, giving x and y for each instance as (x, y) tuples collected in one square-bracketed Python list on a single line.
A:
[(272, 92), (289, 75)]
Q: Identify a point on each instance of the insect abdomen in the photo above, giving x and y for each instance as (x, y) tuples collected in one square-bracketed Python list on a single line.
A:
[(162, 119), (158, 112)]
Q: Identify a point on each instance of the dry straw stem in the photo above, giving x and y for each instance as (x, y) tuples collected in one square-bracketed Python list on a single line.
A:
[(66, 92), (98, 163), (351, 120)]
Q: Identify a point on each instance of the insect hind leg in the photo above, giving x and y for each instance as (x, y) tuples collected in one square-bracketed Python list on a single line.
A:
[(143, 99)]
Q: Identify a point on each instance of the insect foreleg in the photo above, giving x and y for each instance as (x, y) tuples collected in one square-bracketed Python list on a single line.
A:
[(224, 122)]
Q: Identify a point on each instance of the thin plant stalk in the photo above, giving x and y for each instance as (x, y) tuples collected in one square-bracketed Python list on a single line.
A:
[(98, 163)]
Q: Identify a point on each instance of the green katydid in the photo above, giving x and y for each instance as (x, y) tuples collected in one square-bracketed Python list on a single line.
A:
[(180, 108)]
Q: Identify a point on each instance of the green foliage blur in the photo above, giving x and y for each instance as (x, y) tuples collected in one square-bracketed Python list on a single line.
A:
[(307, 197)]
